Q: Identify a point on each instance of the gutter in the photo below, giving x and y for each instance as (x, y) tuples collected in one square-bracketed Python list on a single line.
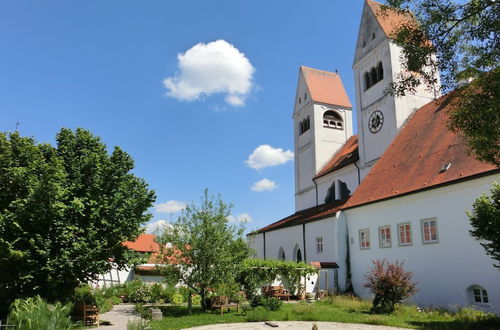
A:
[(359, 175)]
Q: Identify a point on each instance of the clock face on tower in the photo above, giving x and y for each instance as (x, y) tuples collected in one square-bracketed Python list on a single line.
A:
[(375, 121)]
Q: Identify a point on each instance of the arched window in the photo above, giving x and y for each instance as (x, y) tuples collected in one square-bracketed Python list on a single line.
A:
[(367, 81), (380, 71), (331, 119), (308, 123), (373, 76), (304, 125), (478, 295), (299, 256), (281, 254)]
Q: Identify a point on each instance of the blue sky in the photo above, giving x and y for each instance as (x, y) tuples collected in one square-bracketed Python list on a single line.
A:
[(102, 65)]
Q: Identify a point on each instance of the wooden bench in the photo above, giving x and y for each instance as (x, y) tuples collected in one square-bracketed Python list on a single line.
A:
[(276, 291), (223, 302)]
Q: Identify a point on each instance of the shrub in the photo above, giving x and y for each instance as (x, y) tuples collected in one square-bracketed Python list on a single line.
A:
[(140, 294), (35, 313), (177, 298), (138, 324), (271, 304), (390, 284), (259, 314), (196, 299), (144, 312)]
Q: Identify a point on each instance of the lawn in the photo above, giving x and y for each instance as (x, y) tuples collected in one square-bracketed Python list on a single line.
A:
[(337, 309)]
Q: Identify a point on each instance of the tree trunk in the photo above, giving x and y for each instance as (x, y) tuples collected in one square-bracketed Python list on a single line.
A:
[(203, 300), (190, 303)]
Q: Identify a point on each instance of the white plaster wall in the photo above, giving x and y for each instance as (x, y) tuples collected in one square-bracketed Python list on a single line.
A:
[(443, 270), (285, 237), (256, 242), (306, 199)]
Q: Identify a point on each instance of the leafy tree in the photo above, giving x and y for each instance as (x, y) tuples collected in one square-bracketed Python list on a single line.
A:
[(485, 221), (204, 251), (390, 284), (464, 45), (64, 212)]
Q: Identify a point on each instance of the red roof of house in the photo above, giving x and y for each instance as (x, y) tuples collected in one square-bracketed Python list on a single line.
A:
[(143, 243), (325, 87), (348, 154), (415, 159), (308, 215), (388, 18)]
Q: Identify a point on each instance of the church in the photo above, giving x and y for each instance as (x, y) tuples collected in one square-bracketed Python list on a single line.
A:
[(398, 190)]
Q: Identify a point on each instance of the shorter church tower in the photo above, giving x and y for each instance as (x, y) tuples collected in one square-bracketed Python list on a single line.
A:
[(322, 124)]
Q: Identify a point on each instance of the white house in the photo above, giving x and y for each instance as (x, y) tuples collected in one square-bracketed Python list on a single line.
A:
[(397, 190)]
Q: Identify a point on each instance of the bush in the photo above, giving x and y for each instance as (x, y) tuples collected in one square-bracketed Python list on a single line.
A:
[(196, 299), (35, 313), (144, 312), (390, 284), (140, 294), (271, 304), (138, 324), (177, 298)]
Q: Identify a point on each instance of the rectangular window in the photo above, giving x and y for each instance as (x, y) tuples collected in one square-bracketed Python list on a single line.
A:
[(429, 230), (404, 232), (385, 239), (319, 244), (364, 239)]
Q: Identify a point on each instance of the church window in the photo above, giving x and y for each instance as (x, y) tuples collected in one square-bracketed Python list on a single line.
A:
[(305, 96), (373, 76), (304, 125), (299, 256), (364, 239), (384, 234), (404, 234), (478, 295), (319, 244), (364, 43), (429, 230), (367, 81), (380, 71), (300, 100), (373, 35), (281, 254), (331, 119)]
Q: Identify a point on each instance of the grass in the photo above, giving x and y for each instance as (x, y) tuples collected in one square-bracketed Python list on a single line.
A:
[(335, 309)]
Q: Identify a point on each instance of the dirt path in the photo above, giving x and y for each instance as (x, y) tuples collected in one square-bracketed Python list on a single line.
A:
[(118, 317)]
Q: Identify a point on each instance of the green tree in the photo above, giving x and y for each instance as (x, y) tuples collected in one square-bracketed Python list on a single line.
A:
[(64, 212), (464, 45), (485, 221), (203, 250)]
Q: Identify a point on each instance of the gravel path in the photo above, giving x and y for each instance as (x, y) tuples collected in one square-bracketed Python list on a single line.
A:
[(296, 325), (118, 317)]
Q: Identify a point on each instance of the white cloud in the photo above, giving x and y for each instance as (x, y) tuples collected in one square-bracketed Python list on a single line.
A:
[(241, 218), (214, 67), (157, 226), (170, 207), (264, 185), (265, 156)]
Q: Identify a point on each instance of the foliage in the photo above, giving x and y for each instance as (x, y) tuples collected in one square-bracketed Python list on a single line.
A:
[(143, 311), (485, 221), (464, 45), (196, 299), (138, 324), (95, 297), (206, 250), (141, 294), (177, 298), (271, 303), (64, 212), (35, 313), (390, 284), (254, 272)]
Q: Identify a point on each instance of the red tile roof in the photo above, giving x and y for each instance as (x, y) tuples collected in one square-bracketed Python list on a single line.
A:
[(388, 18), (414, 160), (143, 243), (348, 154), (308, 215), (325, 87)]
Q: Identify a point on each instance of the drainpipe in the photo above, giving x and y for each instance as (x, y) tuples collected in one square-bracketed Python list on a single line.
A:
[(304, 240), (264, 239), (316, 185), (359, 175)]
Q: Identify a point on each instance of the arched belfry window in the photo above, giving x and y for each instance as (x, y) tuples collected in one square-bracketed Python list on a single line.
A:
[(380, 71), (367, 80), (304, 125), (331, 119)]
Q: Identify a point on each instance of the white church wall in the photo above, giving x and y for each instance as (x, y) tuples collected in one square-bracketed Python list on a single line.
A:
[(306, 199), (443, 270), (256, 243), (287, 238)]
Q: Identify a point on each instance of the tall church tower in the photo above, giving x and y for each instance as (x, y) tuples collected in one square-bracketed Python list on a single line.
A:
[(377, 63), (322, 124)]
